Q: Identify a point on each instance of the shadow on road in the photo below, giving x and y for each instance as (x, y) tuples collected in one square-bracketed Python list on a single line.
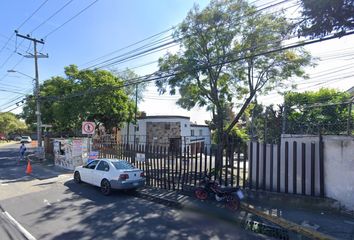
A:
[(122, 216), (12, 169)]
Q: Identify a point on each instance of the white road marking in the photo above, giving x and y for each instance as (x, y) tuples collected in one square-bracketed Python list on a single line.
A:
[(19, 226), (47, 202)]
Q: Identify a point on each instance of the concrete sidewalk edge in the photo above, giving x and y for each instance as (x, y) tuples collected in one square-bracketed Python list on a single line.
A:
[(286, 224), (279, 221)]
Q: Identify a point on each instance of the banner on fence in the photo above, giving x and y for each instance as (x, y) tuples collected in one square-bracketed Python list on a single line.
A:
[(140, 157), (92, 155)]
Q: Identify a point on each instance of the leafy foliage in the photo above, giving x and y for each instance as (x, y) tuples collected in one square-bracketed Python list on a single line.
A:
[(325, 110), (205, 72), (9, 123), (92, 95), (265, 122), (322, 17)]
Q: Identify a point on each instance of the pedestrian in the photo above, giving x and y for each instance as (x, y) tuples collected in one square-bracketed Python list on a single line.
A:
[(22, 151)]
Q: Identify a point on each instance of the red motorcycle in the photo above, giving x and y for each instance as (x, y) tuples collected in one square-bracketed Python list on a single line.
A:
[(231, 196)]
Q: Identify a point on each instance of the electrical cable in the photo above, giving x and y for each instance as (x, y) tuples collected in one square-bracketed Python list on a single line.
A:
[(159, 75), (70, 19), (53, 15), (246, 15), (24, 22)]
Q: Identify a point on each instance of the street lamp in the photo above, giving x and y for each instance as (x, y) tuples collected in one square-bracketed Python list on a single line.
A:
[(38, 113), (15, 71)]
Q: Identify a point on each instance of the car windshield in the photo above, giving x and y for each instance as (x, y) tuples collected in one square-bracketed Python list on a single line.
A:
[(122, 165)]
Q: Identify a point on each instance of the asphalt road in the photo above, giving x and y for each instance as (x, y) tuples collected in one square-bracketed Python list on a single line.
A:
[(57, 208)]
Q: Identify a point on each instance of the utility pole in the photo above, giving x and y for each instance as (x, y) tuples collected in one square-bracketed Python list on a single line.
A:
[(36, 91), (136, 110), (349, 122)]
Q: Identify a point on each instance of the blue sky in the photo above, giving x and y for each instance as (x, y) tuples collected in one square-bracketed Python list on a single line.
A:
[(106, 26)]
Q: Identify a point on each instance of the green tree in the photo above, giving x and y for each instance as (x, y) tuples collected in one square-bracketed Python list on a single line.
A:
[(325, 110), (134, 91), (10, 123), (127, 76), (93, 95), (205, 72), (265, 122), (322, 17)]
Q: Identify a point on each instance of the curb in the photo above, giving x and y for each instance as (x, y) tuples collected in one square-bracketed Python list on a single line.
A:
[(202, 208), (279, 221), (291, 226)]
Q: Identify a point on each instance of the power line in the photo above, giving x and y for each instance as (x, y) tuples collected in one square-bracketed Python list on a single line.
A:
[(70, 19), (23, 23), (53, 15), (9, 91), (160, 76), (131, 45), (130, 56), (246, 15), (262, 9)]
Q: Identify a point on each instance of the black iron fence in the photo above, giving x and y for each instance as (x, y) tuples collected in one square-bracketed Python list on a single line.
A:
[(293, 166), (176, 170)]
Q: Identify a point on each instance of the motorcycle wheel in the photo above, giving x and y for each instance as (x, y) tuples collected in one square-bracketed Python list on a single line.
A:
[(232, 203), (201, 194)]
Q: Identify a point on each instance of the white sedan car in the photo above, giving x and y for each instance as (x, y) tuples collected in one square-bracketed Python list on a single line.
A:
[(110, 174)]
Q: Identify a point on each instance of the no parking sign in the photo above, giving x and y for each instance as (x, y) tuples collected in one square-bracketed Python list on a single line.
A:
[(88, 127)]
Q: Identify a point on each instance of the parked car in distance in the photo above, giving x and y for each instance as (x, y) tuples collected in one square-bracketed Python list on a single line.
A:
[(26, 139), (17, 138), (110, 174)]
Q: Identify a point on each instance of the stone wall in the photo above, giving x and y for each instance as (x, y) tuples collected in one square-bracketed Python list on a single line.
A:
[(159, 133)]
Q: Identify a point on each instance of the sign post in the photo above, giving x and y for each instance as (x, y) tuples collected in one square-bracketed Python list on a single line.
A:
[(88, 128)]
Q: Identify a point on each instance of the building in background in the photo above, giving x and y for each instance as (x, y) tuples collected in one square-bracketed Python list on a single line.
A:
[(174, 132)]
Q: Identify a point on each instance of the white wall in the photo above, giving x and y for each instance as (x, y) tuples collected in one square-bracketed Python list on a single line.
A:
[(205, 133), (307, 139), (338, 166), (339, 169)]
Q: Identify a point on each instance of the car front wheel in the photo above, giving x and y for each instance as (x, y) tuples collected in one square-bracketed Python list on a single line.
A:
[(106, 187)]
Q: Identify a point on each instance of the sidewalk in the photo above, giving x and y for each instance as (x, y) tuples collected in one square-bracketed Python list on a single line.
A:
[(44, 169), (277, 215), (303, 217)]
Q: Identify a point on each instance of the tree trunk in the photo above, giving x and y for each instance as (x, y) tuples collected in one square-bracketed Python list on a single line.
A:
[(220, 140), (239, 114)]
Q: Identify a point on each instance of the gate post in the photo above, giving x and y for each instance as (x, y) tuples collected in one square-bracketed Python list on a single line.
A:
[(321, 164)]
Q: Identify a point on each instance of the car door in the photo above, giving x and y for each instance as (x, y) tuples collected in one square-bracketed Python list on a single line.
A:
[(87, 171), (101, 171)]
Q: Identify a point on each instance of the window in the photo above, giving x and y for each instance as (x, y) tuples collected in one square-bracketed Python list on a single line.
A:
[(103, 166), (92, 164), (122, 165), (137, 128), (200, 132), (167, 126), (192, 132)]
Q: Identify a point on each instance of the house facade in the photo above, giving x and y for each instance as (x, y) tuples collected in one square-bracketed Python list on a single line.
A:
[(174, 132)]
